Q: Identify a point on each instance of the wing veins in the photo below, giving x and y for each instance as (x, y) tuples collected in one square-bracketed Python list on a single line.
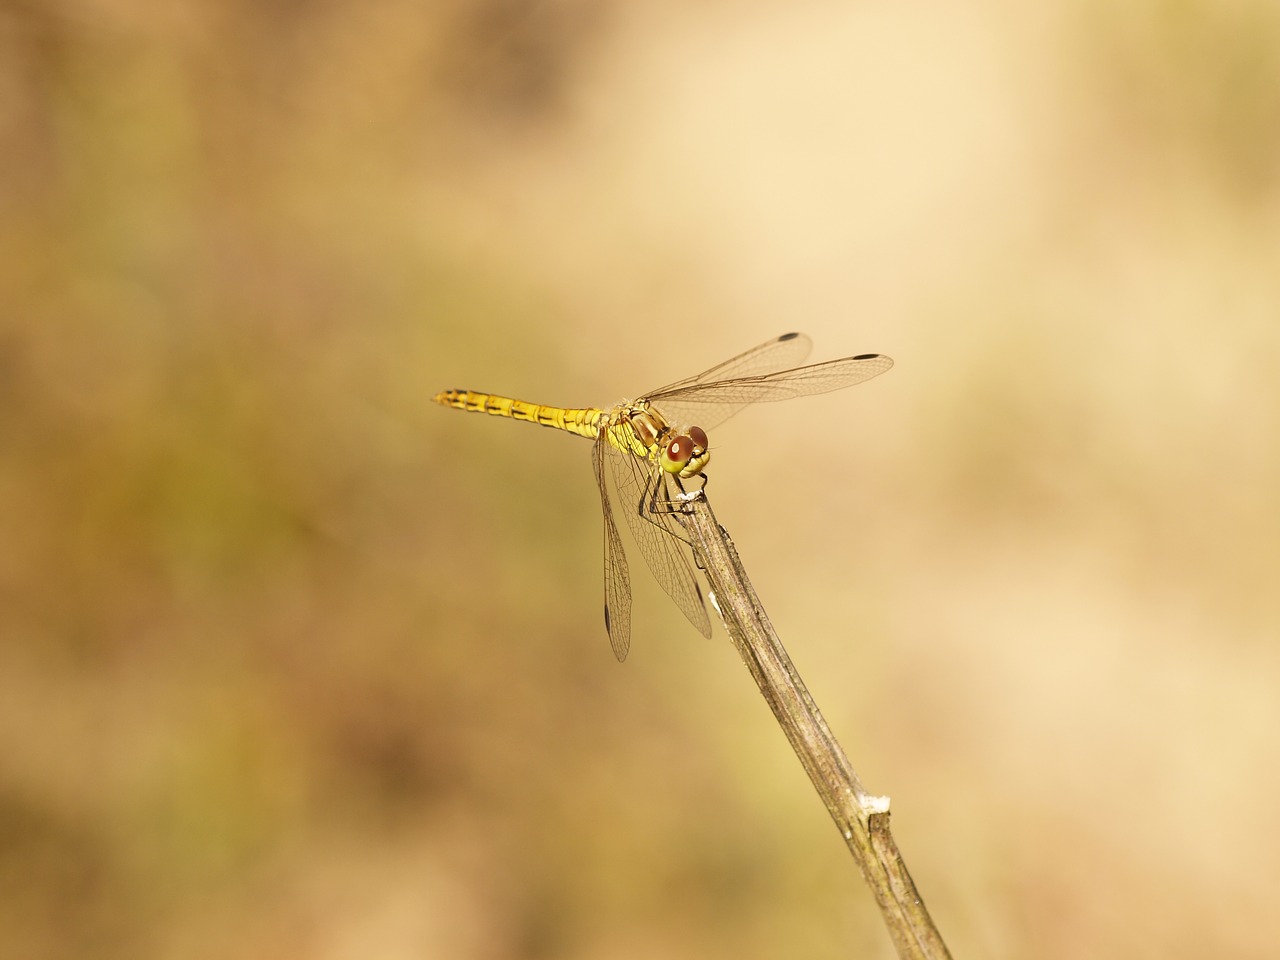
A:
[(617, 577), (659, 543), (784, 384)]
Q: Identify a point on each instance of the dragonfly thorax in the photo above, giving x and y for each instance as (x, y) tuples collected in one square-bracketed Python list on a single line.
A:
[(645, 432)]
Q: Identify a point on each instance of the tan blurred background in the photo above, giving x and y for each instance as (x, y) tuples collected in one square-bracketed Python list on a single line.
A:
[(295, 663)]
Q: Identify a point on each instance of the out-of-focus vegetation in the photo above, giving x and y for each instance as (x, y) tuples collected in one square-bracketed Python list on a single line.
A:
[(294, 663)]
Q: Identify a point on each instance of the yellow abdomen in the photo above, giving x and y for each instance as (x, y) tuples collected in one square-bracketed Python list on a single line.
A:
[(585, 422)]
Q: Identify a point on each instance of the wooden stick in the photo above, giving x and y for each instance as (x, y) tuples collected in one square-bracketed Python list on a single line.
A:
[(863, 819)]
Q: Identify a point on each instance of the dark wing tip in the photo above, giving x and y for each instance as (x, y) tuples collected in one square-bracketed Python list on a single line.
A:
[(620, 644), (866, 356), (787, 336)]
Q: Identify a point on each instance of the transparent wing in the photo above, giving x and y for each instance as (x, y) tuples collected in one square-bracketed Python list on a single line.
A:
[(657, 534), (780, 353), (711, 403), (617, 578)]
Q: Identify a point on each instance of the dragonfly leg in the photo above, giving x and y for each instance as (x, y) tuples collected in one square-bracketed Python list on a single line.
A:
[(656, 501)]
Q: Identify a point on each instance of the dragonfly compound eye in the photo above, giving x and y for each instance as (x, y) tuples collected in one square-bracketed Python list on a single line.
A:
[(699, 438), (677, 454)]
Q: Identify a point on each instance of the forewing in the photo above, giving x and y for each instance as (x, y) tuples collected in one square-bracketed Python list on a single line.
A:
[(709, 404), (658, 535), (617, 578), (780, 353)]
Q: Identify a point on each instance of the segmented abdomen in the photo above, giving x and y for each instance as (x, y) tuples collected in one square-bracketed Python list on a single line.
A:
[(584, 422)]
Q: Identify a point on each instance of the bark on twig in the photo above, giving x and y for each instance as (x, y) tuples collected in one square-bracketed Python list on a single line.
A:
[(863, 819)]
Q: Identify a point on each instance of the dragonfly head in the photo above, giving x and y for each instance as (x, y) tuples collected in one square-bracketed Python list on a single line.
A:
[(687, 453)]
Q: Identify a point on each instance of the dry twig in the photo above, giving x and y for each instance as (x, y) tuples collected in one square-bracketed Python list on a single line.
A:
[(863, 819)]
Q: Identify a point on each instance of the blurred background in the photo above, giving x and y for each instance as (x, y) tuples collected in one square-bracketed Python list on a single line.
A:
[(296, 663)]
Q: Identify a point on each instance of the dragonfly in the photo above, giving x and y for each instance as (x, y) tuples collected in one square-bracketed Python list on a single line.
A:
[(650, 446)]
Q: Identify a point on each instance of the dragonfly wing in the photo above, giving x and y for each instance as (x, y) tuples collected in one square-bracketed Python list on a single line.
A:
[(617, 578), (709, 404), (657, 534), (780, 353)]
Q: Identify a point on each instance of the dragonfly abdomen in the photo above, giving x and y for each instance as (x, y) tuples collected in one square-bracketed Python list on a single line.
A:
[(584, 422)]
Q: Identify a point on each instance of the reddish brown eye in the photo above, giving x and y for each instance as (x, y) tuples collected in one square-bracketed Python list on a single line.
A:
[(680, 450), (699, 437)]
